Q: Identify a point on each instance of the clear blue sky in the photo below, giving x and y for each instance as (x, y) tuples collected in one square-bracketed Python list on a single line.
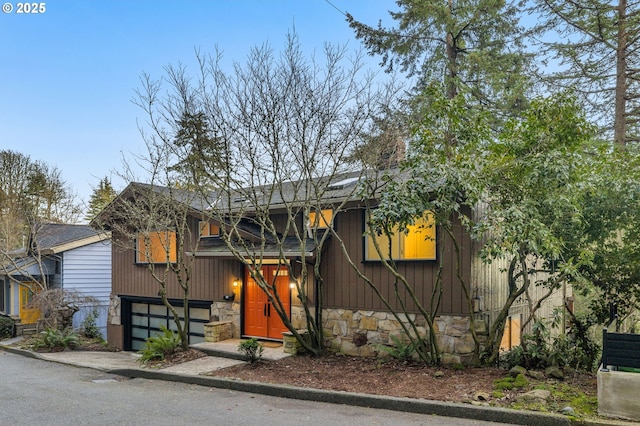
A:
[(67, 76)]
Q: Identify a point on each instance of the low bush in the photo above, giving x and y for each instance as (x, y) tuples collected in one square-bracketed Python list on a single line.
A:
[(89, 326), (538, 351), (7, 327), (401, 350), (158, 347), (252, 349), (53, 339)]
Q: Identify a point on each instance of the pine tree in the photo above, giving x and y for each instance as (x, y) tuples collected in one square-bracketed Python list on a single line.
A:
[(595, 45), (472, 48), (101, 197)]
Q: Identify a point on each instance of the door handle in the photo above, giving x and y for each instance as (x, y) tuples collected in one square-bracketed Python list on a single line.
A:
[(269, 314), (264, 310)]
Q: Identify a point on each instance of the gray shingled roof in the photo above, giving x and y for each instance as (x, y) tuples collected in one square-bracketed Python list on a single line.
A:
[(334, 190), (52, 235), (54, 238)]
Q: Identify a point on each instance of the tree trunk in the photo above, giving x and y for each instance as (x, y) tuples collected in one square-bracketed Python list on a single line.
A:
[(620, 120)]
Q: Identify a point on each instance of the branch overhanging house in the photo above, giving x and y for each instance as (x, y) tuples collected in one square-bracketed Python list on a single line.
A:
[(354, 320)]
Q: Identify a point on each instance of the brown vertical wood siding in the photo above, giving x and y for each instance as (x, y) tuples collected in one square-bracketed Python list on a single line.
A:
[(344, 289), (211, 277)]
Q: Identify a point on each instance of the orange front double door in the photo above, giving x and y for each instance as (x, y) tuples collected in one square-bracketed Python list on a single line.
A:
[(260, 317)]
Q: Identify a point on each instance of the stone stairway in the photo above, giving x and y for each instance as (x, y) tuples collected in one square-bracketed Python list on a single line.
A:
[(24, 329)]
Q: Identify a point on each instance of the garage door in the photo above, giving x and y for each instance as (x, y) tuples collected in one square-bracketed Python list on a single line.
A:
[(143, 318)]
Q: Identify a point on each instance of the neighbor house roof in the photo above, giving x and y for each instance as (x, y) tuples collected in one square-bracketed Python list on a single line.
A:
[(53, 238)]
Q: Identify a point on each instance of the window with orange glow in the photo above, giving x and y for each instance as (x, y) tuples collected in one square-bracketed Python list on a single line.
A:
[(161, 249), (320, 220), (208, 229), (418, 242)]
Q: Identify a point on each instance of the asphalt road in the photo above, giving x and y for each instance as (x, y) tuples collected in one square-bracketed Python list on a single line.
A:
[(36, 392)]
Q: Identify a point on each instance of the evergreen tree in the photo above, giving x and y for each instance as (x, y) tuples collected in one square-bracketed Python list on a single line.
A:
[(595, 45), (201, 151), (100, 198), (472, 47)]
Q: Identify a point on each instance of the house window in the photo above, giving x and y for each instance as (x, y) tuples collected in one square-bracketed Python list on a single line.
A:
[(417, 242), (512, 336), (162, 247), (208, 229), (320, 220), (2, 304)]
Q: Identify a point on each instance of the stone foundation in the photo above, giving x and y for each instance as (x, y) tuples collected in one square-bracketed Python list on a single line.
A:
[(360, 333), (298, 318), (354, 332), (290, 343)]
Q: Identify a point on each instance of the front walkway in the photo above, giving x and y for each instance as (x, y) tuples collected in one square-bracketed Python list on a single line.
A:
[(229, 349)]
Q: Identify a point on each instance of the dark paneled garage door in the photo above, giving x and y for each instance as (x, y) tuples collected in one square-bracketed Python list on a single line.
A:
[(143, 317)]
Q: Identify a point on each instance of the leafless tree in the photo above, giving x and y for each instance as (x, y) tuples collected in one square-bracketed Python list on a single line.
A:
[(31, 193), (58, 306), (153, 219), (271, 138)]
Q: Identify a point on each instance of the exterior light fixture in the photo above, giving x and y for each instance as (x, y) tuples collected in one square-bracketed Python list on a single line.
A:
[(477, 303)]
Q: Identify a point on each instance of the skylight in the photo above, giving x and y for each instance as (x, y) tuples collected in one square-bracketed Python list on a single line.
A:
[(343, 183)]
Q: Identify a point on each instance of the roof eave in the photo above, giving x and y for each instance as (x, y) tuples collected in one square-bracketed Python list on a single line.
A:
[(77, 243), (229, 254)]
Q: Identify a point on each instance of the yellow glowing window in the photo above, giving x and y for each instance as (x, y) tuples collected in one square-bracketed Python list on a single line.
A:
[(512, 333), (418, 242), (320, 220), (208, 229), (162, 247)]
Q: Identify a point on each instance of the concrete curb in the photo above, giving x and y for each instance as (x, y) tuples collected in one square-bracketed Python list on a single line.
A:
[(22, 352), (410, 405)]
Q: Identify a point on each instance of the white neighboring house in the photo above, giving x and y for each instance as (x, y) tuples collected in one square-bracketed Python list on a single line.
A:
[(75, 258)]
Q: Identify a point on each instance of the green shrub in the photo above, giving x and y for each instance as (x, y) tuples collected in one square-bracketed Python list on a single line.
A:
[(89, 326), (7, 326), (400, 350), (252, 349), (52, 338), (158, 347), (574, 349)]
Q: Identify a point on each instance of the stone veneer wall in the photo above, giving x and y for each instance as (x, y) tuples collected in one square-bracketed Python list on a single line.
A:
[(114, 312), (356, 332), (227, 311)]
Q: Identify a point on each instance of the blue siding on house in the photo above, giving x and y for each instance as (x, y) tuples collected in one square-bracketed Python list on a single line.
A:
[(14, 306), (87, 270), (48, 267)]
